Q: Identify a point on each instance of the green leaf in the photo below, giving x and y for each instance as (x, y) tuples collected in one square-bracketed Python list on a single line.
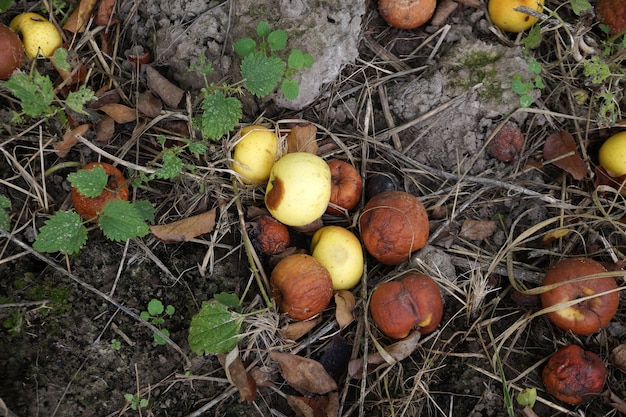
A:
[(308, 60), (262, 73), (145, 316), (519, 86), (539, 82), (533, 39), (5, 4), (596, 69), (229, 300), (295, 60), (525, 100), (220, 115), (36, 93), (155, 307), (277, 40), (290, 89), (172, 165), (145, 209), (76, 100), (120, 220), (534, 67), (201, 66), (245, 46), (579, 6), (263, 29), (60, 59), (196, 148), (169, 310), (89, 183), (158, 339), (63, 232), (214, 329), (5, 205)]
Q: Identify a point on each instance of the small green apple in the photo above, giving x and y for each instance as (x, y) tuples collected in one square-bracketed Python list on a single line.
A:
[(298, 190), (255, 154), (339, 250), (39, 35), (502, 13)]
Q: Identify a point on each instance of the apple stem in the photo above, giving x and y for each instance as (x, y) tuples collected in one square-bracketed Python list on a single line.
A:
[(253, 259)]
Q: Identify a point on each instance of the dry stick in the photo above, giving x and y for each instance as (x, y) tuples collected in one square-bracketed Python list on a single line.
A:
[(384, 104), (96, 291)]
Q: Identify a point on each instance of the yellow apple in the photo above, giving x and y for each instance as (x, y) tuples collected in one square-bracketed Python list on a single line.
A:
[(255, 154), (502, 14), (39, 35), (298, 190), (612, 154), (339, 250)]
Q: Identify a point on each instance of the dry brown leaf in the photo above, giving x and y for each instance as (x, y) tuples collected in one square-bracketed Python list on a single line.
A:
[(105, 15), (398, 351), (553, 235), (477, 229), (604, 178), (562, 143), (119, 112), (302, 138), (444, 9), (305, 375), (105, 129), (336, 356), (77, 22), (162, 87), (185, 229), (238, 376), (77, 72), (70, 139), (262, 377), (315, 406), (345, 302), (149, 104), (297, 329)]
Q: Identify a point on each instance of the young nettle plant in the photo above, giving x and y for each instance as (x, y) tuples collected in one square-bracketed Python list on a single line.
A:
[(119, 220), (156, 314), (262, 70)]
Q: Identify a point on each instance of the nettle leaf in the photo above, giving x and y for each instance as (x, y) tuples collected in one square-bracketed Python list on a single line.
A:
[(290, 89), (172, 165), (533, 39), (263, 29), (244, 47), (36, 93), (196, 147), (262, 73), (76, 100), (145, 209), (220, 115), (295, 60), (277, 40), (60, 59), (158, 339), (214, 329), (229, 300), (63, 232), (201, 66), (579, 6), (308, 60), (120, 220), (155, 307), (89, 183), (5, 205)]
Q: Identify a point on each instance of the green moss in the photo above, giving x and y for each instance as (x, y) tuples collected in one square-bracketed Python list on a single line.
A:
[(479, 67)]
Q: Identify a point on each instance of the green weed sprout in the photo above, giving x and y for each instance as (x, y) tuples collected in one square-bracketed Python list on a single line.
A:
[(156, 314), (525, 88), (262, 70), (136, 401)]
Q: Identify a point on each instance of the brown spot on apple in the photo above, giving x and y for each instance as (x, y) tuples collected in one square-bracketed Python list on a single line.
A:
[(275, 195)]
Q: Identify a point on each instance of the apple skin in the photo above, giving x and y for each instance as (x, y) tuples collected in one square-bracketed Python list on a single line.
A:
[(502, 14), (586, 317), (39, 35), (612, 154), (255, 154), (298, 190), (346, 186), (340, 251), (11, 52)]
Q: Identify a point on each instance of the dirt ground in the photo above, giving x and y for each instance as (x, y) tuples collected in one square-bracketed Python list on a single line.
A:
[(422, 105)]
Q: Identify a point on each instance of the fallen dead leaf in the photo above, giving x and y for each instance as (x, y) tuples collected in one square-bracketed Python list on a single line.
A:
[(477, 229), (297, 329), (397, 351), (105, 129), (345, 302), (149, 104), (319, 406), (305, 375), (70, 139), (119, 112), (162, 87), (562, 143), (77, 21), (238, 376), (335, 357), (105, 16), (301, 138), (604, 178), (553, 235), (185, 229)]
